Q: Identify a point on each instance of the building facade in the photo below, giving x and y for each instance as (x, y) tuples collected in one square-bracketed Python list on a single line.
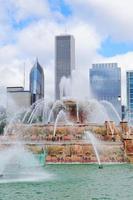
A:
[(129, 79), (17, 99), (105, 82), (64, 59), (36, 82)]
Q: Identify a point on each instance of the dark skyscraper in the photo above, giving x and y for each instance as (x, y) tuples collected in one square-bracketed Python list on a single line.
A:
[(36, 82), (64, 59)]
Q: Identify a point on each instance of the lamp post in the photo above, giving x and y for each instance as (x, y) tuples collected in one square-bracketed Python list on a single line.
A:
[(122, 116), (123, 112)]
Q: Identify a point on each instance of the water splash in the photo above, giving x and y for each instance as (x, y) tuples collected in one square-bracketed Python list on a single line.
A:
[(19, 164), (77, 105), (110, 105), (90, 137), (58, 103), (111, 129), (65, 87), (29, 111), (61, 116), (94, 111)]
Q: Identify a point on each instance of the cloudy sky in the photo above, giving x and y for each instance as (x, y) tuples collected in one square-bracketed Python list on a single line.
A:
[(102, 29)]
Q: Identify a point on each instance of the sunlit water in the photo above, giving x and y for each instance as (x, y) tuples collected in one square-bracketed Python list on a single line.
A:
[(75, 182)]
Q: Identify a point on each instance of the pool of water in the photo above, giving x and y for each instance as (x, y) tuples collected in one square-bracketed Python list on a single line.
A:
[(75, 182)]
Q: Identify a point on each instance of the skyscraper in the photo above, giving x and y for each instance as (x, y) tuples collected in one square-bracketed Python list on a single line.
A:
[(64, 59), (36, 82), (129, 77), (105, 81)]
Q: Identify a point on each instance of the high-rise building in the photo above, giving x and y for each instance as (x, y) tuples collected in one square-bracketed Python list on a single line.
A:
[(129, 77), (105, 81), (64, 59), (36, 82)]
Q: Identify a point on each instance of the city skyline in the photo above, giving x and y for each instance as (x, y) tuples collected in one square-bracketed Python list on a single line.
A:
[(28, 30)]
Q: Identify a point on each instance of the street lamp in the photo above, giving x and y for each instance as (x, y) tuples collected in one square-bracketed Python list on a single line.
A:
[(123, 109)]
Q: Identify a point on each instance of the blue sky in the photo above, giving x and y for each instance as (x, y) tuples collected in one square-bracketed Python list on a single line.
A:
[(61, 6), (111, 48)]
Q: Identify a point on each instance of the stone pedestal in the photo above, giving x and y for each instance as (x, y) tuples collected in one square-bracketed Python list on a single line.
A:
[(110, 127), (124, 127), (128, 149)]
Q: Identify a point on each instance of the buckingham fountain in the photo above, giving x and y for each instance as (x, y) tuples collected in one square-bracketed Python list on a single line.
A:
[(65, 131), (53, 150)]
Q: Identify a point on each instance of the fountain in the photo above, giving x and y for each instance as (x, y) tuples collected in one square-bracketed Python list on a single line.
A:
[(90, 137), (61, 116), (90, 114), (110, 105), (69, 89), (94, 111), (57, 104), (40, 108), (29, 111), (65, 88)]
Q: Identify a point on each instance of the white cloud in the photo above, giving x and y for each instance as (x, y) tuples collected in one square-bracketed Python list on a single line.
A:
[(10, 75), (8, 53), (38, 40), (110, 17), (30, 8)]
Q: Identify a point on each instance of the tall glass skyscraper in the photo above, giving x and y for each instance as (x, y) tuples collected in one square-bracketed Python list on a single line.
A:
[(129, 77), (36, 82), (64, 59), (105, 81)]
